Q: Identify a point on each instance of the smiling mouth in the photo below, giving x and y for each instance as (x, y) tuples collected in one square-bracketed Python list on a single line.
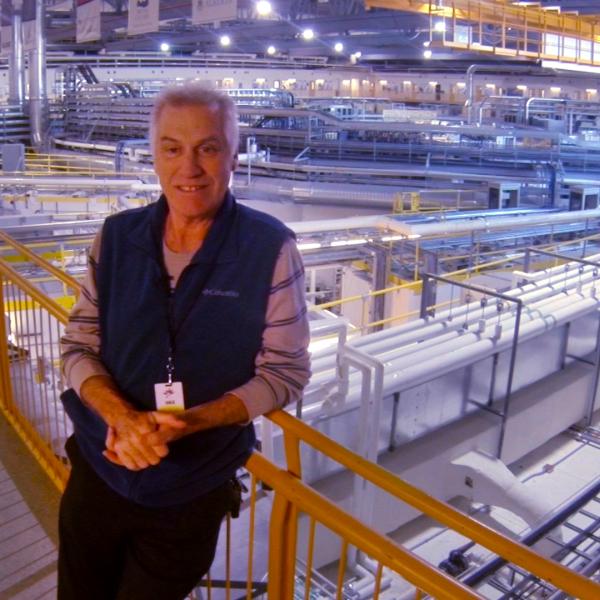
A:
[(190, 188)]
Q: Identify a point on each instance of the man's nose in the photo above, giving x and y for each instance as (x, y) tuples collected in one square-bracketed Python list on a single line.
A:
[(191, 164)]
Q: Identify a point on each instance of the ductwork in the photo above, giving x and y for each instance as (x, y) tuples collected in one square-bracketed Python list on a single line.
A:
[(16, 66), (37, 81)]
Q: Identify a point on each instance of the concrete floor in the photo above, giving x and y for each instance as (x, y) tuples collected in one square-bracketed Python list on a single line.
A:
[(28, 523)]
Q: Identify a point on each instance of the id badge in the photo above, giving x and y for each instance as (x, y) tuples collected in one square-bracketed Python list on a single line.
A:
[(169, 396)]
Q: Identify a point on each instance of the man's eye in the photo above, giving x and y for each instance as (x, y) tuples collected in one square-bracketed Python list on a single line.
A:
[(209, 150), (170, 150)]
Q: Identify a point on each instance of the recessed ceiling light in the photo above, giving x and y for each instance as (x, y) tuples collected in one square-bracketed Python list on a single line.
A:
[(308, 34), (339, 47), (271, 50), (427, 54), (263, 8), (164, 47), (225, 40)]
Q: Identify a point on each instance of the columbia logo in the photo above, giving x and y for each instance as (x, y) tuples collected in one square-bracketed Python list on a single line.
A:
[(229, 293)]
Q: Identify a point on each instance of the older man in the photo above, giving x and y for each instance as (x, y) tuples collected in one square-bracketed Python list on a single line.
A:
[(191, 322)]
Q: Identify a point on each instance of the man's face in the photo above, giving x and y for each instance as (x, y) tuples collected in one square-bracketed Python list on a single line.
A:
[(193, 159)]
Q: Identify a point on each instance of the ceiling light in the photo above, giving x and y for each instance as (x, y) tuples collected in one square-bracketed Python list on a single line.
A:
[(164, 47), (339, 47), (308, 34), (427, 44), (309, 246), (354, 242), (427, 54), (271, 50), (440, 26), (263, 8), (225, 41)]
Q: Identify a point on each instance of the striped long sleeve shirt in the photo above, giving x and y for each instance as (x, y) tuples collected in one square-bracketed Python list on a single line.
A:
[(282, 366)]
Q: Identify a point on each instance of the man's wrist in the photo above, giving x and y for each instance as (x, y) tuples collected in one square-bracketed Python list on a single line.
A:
[(101, 394)]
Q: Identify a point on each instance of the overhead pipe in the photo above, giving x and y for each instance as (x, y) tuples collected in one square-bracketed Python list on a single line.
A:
[(468, 346), (37, 81), (530, 101), (16, 65), (471, 82), (480, 224)]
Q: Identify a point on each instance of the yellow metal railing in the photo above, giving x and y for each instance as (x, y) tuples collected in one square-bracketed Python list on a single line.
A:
[(415, 286), (29, 400), (295, 431), (505, 27)]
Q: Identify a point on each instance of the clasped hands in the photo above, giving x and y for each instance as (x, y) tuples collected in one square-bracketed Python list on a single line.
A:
[(137, 440)]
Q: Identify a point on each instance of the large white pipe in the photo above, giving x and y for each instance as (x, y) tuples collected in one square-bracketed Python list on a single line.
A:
[(409, 363), (480, 223), (37, 80), (420, 331), (16, 65), (69, 183)]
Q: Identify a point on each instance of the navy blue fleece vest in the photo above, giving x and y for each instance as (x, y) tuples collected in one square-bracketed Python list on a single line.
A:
[(216, 316)]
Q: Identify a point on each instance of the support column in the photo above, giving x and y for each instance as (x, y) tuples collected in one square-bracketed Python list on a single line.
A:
[(37, 80), (16, 65)]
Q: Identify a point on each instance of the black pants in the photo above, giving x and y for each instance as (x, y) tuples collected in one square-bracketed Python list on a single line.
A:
[(113, 549)]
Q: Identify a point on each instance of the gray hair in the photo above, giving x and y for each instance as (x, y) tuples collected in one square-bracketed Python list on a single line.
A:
[(197, 94)]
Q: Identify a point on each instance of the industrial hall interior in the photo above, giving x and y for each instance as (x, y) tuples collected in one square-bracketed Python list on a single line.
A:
[(439, 164)]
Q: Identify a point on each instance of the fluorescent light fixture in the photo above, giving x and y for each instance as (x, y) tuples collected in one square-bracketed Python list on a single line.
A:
[(591, 90), (427, 54), (271, 50), (264, 8), (383, 82), (433, 83), (392, 238), (440, 26), (339, 47), (414, 236), (556, 64), (164, 47), (225, 41), (354, 242), (490, 86), (555, 89), (461, 84), (308, 34), (522, 87), (309, 246)]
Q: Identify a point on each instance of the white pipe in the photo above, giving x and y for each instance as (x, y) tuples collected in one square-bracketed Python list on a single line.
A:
[(16, 67), (479, 224), (69, 183), (37, 79)]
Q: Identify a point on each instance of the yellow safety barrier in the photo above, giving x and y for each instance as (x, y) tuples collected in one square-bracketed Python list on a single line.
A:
[(30, 386), (296, 431)]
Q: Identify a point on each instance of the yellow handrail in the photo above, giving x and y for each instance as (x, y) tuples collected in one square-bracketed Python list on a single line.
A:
[(40, 262), (376, 545), (515, 552)]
